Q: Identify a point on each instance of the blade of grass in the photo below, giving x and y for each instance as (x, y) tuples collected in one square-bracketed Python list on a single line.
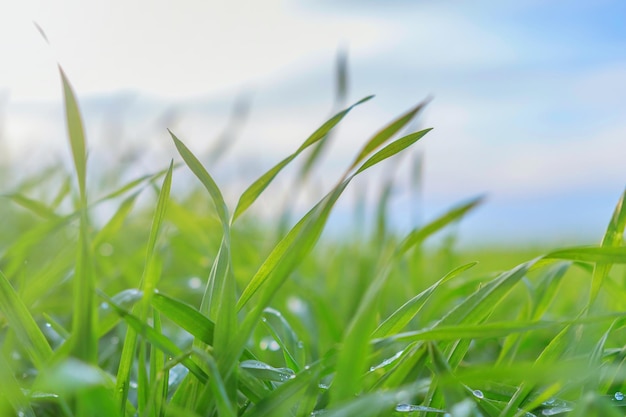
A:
[(402, 316), (37, 207), (84, 326), (353, 356), (148, 284), (157, 340), (612, 238), (219, 297), (387, 132), (607, 254), (23, 324), (250, 195)]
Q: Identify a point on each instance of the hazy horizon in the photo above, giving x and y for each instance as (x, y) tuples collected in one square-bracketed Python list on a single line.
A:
[(528, 99)]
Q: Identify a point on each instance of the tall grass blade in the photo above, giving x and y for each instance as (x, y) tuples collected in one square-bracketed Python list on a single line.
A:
[(158, 340), (201, 173), (250, 195), (602, 254), (84, 328), (23, 324), (402, 316), (76, 135), (613, 237), (37, 207), (387, 132), (148, 284)]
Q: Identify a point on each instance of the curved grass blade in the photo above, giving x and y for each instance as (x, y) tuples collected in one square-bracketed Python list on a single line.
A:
[(402, 316), (114, 225), (612, 238), (393, 148), (387, 132), (286, 338), (156, 339), (219, 297), (420, 234), (84, 326), (369, 405), (12, 398), (266, 372), (308, 229), (353, 356), (201, 173), (185, 316), (282, 398), (603, 254), (76, 135), (37, 207), (225, 407), (254, 191), (149, 280), (148, 284), (23, 324)]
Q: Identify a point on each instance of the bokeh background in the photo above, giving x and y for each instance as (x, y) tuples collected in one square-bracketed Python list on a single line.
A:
[(529, 98)]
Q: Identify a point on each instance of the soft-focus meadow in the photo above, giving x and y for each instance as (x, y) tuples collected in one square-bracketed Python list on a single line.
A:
[(177, 304)]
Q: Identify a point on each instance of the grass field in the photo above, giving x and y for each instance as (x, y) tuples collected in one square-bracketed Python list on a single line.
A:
[(188, 307)]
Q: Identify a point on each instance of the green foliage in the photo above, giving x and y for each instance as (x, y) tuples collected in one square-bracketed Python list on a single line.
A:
[(189, 308)]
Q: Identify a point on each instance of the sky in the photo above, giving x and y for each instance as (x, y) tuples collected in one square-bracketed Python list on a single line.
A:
[(528, 97)]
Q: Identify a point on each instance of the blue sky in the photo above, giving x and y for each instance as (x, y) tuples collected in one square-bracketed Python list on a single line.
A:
[(528, 102)]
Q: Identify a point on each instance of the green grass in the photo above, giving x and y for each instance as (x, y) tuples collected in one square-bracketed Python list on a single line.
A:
[(192, 308)]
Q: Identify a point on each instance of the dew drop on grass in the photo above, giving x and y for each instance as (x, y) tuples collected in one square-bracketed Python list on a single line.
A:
[(194, 283), (387, 361), (296, 305), (556, 410), (48, 325), (21, 413), (478, 394), (270, 344), (404, 408), (104, 305), (409, 408), (619, 396), (133, 385), (114, 340), (15, 355)]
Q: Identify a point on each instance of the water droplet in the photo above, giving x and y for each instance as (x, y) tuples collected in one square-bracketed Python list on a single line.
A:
[(296, 305), (15, 355), (404, 408), (300, 344), (21, 413), (114, 340), (551, 401), (323, 386), (478, 394), (194, 283), (307, 367), (618, 396), (133, 385), (104, 305), (48, 325), (556, 410), (409, 408), (387, 361), (268, 343)]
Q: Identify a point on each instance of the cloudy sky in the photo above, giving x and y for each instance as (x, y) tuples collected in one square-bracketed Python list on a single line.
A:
[(529, 97)]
